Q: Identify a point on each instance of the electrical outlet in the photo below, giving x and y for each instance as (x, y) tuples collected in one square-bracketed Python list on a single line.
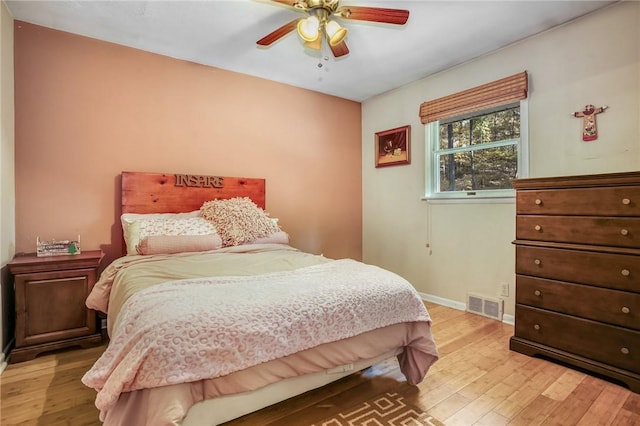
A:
[(504, 289)]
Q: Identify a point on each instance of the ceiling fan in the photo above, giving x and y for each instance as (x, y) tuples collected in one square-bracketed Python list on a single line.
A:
[(319, 26)]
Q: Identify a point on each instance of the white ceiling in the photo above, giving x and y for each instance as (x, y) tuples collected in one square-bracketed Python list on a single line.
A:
[(223, 34)]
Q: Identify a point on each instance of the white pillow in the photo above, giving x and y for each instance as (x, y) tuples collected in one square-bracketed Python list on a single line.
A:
[(136, 226)]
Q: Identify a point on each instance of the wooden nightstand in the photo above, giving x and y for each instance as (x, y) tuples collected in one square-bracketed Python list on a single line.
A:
[(50, 303)]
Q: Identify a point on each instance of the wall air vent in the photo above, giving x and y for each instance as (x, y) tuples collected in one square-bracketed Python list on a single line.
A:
[(484, 305)]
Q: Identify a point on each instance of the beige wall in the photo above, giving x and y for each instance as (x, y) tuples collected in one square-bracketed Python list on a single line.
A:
[(7, 181), (593, 60), (87, 110)]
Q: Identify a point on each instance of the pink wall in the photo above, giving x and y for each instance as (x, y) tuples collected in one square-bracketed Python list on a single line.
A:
[(87, 110)]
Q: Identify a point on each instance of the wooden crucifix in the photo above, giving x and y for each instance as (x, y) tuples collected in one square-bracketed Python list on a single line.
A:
[(589, 128)]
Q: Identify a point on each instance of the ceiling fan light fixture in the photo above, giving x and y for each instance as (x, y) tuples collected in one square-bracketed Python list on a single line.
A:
[(317, 30), (335, 32), (309, 28)]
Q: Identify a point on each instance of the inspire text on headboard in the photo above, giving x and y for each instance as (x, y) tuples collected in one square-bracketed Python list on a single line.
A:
[(200, 181)]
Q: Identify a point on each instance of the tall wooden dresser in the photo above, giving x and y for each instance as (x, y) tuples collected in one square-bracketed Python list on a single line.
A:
[(578, 272)]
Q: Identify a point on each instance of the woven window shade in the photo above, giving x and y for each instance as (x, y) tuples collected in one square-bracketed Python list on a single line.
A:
[(488, 95)]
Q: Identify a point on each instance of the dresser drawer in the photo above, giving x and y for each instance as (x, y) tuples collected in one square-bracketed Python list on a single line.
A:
[(616, 271), (607, 231), (603, 201), (611, 306), (609, 344)]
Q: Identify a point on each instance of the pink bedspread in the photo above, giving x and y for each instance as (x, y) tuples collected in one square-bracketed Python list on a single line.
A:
[(188, 330)]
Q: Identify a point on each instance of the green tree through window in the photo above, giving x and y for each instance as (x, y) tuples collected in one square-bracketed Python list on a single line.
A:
[(475, 155)]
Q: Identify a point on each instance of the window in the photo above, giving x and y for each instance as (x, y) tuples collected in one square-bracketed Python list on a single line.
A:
[(476, 140), (477, 155)]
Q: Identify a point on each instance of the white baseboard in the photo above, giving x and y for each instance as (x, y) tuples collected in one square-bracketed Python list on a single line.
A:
[(461, 306), (3, 363), (509, 319), (4, 355)]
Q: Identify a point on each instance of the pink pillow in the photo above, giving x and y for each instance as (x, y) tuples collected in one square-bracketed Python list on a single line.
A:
[(169, 244), (279, 237)]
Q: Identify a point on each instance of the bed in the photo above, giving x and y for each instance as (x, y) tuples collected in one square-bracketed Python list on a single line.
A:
[(212, 314)]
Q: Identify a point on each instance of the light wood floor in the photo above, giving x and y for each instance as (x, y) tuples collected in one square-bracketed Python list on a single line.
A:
[(477, 381)]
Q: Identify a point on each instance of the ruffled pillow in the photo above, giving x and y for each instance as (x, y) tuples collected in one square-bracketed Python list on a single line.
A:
[(238, 220)]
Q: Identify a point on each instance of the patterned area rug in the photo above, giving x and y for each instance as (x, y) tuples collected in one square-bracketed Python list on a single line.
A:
[(388, 409)]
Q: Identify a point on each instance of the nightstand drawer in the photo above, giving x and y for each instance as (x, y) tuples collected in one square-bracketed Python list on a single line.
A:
[(608, 344), (616, 271), (609, 231), (609, 201), (610, 306)]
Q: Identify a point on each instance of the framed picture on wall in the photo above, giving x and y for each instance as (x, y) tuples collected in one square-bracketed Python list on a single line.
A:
[(392, 147)]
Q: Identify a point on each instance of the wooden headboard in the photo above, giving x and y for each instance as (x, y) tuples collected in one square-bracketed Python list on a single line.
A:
[(177, 193)]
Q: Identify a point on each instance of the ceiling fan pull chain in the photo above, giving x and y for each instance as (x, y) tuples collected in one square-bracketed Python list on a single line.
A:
[(323, 46)]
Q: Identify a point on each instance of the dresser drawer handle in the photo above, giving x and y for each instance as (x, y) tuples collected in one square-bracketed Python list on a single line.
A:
[(537, 262), (625, 272), (537, 293), (539, 202), (624, 232), (626, 201), (625, 351), (537, 228), (625, 310), (537, 327)]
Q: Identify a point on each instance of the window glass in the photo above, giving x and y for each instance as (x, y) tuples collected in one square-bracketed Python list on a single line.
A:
[(475, 156), (491, 127), (491, 168)]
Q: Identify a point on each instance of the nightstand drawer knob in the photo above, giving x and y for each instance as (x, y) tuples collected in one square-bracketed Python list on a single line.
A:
[(537, 293), (625, 351), (625, 272), (626, 201), (537, 228), (539, 202), (536, 327), (624, 232), (537, 262), (625, 310)]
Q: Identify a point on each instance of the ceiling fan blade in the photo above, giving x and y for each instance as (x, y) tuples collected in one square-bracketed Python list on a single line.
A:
[(278, 34), (374, 14), (287, 2), (300, 5), (339, 49)]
